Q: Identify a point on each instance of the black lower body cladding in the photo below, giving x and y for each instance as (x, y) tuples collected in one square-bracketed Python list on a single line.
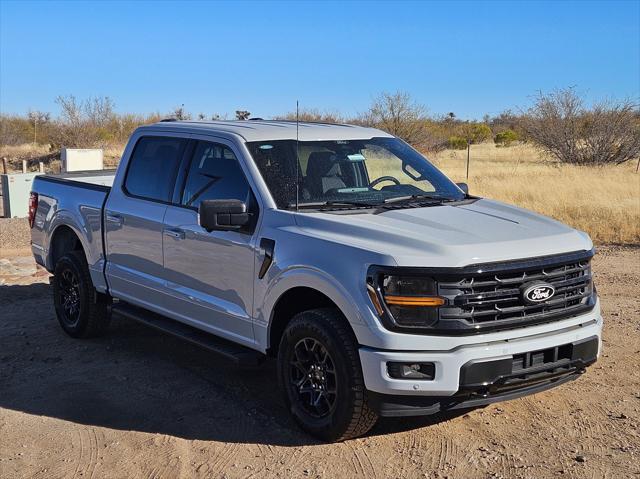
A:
[(487, 382)]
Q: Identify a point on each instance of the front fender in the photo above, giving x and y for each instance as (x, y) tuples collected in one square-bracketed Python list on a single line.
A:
[(302, 276)]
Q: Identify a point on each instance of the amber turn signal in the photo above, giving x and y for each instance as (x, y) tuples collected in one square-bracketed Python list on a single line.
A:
[(375, 300), (413, 300)]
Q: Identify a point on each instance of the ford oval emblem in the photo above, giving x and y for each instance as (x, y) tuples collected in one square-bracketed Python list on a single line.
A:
[(537, 292)]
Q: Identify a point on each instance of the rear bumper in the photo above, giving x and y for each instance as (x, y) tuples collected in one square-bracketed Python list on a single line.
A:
[(40, 255), (481, 373)]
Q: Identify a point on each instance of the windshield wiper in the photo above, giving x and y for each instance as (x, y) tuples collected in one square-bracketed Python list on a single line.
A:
[(362, 204), (341, 203), (432, 198)]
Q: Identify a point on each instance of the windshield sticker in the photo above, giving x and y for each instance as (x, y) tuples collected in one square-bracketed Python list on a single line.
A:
[(356, 157)]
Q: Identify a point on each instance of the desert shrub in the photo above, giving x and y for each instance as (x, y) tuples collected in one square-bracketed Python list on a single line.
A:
[(457, 143), (180, 113), (400, 115), (19, 130), (508, 120), (313, 114), (506, 137), (607, 133), (83, 123), (242, 114)]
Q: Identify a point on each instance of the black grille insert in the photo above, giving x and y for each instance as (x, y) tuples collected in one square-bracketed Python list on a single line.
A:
[(494, 300), (525, 369)]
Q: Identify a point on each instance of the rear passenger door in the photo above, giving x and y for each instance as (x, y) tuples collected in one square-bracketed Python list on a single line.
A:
[(134, 221), (210, 275)]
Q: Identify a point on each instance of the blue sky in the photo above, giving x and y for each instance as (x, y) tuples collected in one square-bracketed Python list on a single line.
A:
[(471, 58)]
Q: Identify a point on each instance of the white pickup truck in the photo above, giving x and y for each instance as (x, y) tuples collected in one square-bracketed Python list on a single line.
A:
[(381, 287)]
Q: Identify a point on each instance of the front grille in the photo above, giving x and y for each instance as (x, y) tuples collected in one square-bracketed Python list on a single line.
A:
[(493, 299)]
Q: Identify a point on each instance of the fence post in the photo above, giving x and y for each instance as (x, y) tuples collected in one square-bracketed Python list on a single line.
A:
[(24, 166), (41, 167), (4, 165), (468, 156)]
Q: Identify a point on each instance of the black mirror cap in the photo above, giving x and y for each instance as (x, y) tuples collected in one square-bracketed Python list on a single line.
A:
[(464, 187), (223, 215)]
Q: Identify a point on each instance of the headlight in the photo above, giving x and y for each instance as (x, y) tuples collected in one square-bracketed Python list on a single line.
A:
[(408, 301)]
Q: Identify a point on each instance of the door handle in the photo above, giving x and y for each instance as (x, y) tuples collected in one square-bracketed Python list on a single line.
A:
[(116, 219), (175, 233)]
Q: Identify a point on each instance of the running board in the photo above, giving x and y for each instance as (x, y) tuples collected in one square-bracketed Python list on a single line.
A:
[(239, 355)]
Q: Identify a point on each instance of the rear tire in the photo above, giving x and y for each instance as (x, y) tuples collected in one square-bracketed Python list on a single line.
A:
[(81, 311), (321, 378)]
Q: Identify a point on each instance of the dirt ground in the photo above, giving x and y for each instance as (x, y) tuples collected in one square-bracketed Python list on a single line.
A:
[(138, 403)]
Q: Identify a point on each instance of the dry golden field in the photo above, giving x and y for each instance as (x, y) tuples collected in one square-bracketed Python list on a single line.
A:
[(34, 153), (604, 202), (26, 151)]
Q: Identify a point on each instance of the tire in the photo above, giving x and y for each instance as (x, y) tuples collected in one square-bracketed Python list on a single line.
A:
[(81, 311), (324, 392)]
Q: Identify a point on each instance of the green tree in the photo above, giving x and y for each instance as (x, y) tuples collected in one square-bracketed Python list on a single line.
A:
[(476, 132), (506, 137)]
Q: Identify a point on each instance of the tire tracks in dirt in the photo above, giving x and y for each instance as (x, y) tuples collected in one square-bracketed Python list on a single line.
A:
[(360, 458)]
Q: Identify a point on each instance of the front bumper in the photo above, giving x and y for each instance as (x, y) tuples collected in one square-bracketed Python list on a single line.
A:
[(482, 371)]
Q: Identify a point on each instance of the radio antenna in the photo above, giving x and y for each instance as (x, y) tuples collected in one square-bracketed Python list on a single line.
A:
[(297, 154)]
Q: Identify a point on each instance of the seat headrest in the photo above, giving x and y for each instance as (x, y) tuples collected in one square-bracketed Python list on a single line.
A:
[(165, 152), (321, 163)]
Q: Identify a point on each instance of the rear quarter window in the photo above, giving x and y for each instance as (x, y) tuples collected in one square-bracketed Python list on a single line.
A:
[(153, 167)]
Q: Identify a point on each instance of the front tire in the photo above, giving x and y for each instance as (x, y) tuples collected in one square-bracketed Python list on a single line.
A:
[(81, 311), (320, 374)]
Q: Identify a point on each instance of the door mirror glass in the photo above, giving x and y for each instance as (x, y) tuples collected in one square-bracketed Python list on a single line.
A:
[(464, 187), (223, 215)]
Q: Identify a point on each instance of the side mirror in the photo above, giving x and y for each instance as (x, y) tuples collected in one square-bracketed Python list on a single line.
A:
[(223, 215), (464, 187)]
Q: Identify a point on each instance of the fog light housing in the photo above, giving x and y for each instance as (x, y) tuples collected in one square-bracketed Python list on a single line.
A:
[(411, 370)]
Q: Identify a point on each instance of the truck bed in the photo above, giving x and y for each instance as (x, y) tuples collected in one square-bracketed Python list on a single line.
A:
[(74, 200), (100, 177)]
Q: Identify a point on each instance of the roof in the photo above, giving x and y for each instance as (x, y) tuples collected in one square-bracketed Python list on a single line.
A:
[(258, 130)]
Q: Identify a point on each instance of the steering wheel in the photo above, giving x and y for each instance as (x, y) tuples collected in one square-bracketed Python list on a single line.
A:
[(384, 178)]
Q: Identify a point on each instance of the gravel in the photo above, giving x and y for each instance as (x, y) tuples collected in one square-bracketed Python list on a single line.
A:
[(14, 233)]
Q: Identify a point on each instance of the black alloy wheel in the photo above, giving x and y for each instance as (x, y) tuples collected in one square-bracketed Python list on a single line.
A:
[(81, 310), (313, 373), (320, 376), (69, 297)]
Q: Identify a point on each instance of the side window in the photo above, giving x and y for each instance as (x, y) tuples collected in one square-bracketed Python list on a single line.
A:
[(153, 166), (214, 174)]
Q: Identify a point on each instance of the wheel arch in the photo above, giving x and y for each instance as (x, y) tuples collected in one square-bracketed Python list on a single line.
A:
[(291, 302), (64, 238), (301, 289)]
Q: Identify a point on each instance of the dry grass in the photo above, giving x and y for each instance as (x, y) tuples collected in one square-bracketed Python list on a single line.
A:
[(112, 155), (26, 151), (604, 202), (51, 158)]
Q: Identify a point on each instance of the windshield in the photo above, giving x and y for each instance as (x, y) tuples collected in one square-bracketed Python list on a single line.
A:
[(361, 172)]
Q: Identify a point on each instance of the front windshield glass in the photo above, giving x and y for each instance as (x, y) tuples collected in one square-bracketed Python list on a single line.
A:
[(362, 172)]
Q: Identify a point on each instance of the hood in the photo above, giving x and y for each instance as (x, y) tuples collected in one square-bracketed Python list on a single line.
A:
[(448, 235)]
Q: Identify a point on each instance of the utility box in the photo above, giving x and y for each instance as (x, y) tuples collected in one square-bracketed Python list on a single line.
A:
[(76, 159), (15, 194)]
